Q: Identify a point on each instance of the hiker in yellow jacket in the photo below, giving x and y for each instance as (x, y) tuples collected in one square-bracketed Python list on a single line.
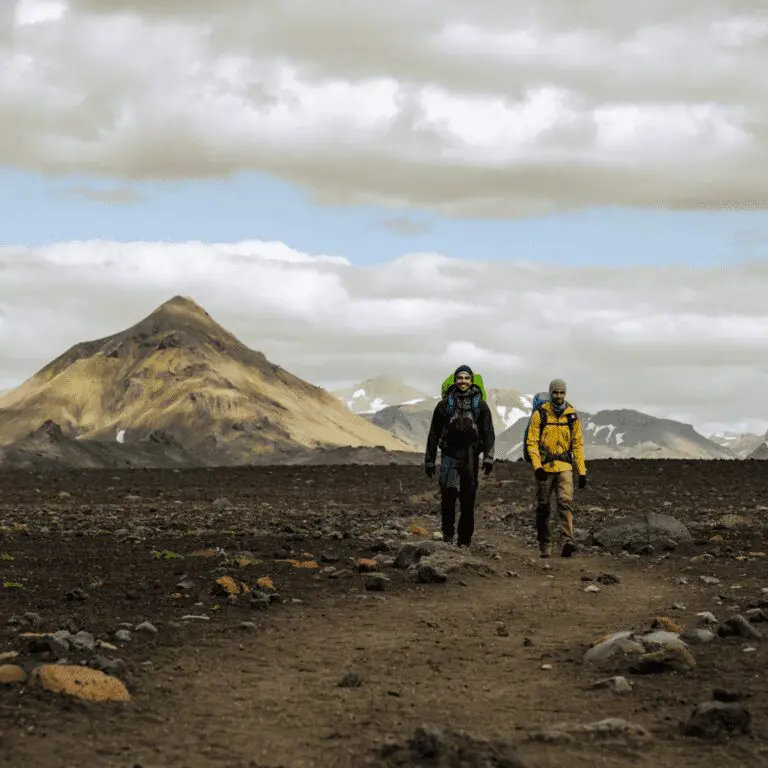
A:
[(555, 446)]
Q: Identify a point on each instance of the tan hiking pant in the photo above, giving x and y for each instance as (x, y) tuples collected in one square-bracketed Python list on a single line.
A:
[(561, 484)]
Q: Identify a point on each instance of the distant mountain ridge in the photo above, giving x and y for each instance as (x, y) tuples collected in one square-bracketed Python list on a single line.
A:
[(622, 433), (401, 408)]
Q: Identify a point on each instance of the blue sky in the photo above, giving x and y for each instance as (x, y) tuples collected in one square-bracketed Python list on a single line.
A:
[(41, 210)]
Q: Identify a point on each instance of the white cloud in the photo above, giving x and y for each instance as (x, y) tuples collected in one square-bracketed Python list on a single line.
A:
[(492, 107), (671, 341)]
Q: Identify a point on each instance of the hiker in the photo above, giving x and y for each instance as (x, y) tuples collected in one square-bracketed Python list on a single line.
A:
[(463, 429), (554, 444)]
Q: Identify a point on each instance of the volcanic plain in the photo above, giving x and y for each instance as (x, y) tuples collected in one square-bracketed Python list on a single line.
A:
[(303, 616)]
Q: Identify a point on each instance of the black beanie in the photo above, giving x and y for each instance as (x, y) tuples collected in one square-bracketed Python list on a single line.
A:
[(463, 368)]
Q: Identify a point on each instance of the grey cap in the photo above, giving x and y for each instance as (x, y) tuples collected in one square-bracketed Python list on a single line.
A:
[(556, 384)]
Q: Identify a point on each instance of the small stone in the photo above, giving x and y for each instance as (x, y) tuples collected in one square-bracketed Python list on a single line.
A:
[(738, 625), (618, 684), (698, 636), (83, 641), (546, 666), (721, 694), (76, 594), (123, 636), (593, 588), (195, 617), (502, 631), (10, 674), (248, 625), (350, 680), (666, 660), (712, 719), (706, 617), (608, 579), (147, 627), (375, 582), (709, 580), (427, 573)]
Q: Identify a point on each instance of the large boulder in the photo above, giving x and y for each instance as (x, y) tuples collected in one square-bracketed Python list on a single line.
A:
[(651, 528)]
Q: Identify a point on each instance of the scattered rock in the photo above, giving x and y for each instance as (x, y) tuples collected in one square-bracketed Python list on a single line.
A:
[(375, 582), (619, 643), (665, 660), (662, 639), (81, 682), (11, 674), (146, 627), (612, 728), (738, 625), (428, 573), (706, 618), (608, 579), (446, 748), (720, 694), (350, 680), (635, 532), (698, 636), (618, 684), (712, 719)]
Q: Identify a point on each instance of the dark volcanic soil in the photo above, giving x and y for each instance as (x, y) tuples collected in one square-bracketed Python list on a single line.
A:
[(496, 651)]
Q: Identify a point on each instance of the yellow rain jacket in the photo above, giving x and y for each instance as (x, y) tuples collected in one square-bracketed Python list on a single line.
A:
[(555, 439)]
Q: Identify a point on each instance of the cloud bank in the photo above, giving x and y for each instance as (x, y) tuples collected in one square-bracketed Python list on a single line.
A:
[(674, 342), (496, 107)]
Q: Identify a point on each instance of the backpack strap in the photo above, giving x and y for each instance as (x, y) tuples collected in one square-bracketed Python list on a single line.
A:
[(570, 419)]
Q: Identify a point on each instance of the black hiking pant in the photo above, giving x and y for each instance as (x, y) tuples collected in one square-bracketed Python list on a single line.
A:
[(458, 481)]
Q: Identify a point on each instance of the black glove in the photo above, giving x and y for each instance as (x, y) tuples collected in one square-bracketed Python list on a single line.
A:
[(429, 469), (487, 467), (540, 473), (582, 481)]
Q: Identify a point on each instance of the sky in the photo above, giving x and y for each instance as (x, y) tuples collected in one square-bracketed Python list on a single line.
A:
[(536, 189)]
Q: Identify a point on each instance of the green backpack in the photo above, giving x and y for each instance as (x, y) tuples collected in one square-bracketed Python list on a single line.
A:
[(448, 383)]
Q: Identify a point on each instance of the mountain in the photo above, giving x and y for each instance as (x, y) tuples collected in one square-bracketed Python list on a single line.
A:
[(406, 411), (373, 395), (741, 445), (761, 450), (47, 448), (626, 434), (179, 375)]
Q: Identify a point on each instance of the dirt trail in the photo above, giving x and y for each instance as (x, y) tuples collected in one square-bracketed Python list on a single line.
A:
[(425, 654)]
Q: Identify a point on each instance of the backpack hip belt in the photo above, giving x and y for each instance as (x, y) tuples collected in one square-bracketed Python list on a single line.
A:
[(565, 456)]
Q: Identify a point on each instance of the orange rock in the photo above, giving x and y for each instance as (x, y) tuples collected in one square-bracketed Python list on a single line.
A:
[(226, 585), (662, 622), (365, 565), (265, 583), (81, 682), (10, 674)]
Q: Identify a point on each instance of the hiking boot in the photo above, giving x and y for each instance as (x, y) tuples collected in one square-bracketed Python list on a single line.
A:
[(568, 548), (545, 550)]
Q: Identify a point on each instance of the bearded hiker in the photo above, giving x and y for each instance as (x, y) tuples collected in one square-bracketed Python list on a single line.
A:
[(555, 445), (462, 428)]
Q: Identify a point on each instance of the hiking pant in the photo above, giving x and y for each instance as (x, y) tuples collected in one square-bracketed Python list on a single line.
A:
[(561, 484), (458, 480)]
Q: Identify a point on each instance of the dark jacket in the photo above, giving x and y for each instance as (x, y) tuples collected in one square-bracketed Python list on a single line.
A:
[(485, 427)]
